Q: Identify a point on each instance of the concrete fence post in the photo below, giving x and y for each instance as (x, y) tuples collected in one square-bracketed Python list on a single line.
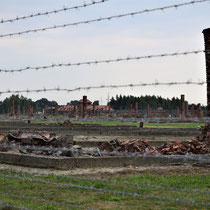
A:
[(206, 33)]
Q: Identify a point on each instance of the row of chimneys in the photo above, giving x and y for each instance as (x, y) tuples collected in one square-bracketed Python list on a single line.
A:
[(206, 33), (83, 109)]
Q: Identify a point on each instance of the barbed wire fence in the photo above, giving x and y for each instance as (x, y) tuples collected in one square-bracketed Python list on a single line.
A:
[(97, 153), (6, 205), (158, 187), (43, 200), (92, 188), (107, 61), (131, 14), (103, 87), (64, 9)]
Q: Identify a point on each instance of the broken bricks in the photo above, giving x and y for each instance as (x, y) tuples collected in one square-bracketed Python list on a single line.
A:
[(135, 145)]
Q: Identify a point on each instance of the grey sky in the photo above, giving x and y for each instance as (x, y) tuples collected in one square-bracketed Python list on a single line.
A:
[(153, 33)]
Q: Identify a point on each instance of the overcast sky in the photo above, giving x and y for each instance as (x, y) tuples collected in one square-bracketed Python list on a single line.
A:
[(173, 30)]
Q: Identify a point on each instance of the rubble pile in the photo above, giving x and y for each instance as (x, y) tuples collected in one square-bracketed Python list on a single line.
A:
[(135, 145), (171, 148), (204, 134), (201, 145), (183, 148), (41, 139)]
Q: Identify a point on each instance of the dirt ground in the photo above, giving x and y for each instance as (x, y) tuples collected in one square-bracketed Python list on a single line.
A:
[(115, 172), (123, 138)]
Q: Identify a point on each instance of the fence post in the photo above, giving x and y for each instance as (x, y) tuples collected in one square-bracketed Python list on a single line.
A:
[(206, 33)]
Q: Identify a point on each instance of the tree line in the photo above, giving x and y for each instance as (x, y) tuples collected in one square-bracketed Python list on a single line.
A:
[(117, 103), (123, 102), (24, 103)]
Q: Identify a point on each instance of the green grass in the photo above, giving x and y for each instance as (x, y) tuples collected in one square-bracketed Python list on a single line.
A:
[(43, 121), (146, 125), (101, 200)]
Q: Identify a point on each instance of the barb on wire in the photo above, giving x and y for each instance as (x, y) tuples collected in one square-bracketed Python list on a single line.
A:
[(104, 18), (159, 187), (101, 87), (106, 61), (64, 9), (9, 206), (91, 188), (44, 200)]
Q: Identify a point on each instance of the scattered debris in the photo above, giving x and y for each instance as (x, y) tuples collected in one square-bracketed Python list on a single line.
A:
[(199, 146), (18, 138), (183, 148), (135, 145), (204, 134), (46, 139)]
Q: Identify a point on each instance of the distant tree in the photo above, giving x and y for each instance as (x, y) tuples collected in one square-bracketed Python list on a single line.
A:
[(5, 105), (96, 103), (73, 103), (42, 103), (153, 101)]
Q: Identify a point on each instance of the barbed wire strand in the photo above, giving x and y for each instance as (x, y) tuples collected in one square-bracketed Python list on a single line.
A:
[(124, 193), (89, 118), (98, 152), (102, 87), (8, 206), (45, 201), (159, 187), (176, 6), (107, 61), (64, 9)]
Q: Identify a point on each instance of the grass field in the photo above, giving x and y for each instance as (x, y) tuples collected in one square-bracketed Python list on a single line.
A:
[(146, 125), (101, 200), (169, 125)]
